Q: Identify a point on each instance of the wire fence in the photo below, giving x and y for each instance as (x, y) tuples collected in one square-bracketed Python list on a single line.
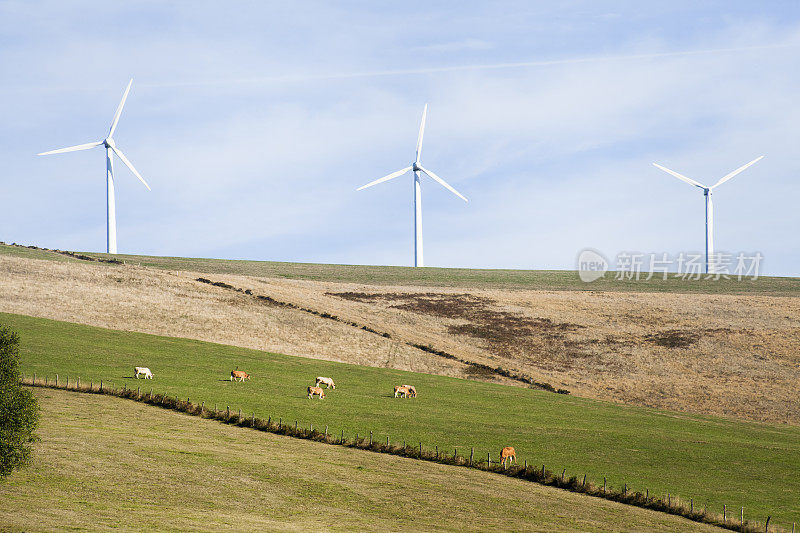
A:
[(729, 518)]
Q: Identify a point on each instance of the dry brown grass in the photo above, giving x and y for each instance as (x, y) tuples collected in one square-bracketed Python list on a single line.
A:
[(729, 355)]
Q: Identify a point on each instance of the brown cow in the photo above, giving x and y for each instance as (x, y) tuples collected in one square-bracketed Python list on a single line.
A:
[(402, 391), (239, 375), (312, 391), (509, 454), (411, 390)]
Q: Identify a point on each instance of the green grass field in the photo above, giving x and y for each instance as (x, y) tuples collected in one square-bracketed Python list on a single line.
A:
[(551, 280), (105, 463), (712, 460)]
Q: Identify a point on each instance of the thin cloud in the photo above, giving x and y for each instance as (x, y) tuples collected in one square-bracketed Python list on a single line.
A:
[(290, 78)]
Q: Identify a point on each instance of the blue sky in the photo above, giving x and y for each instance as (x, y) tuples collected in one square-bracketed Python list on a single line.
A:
[(255, 122)]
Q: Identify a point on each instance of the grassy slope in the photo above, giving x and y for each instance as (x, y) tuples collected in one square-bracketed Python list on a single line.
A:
[(161, 470), (442, 277), (714, 461)]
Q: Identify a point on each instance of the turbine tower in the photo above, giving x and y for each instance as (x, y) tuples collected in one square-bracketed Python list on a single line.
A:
[(707, 191), (108, 142), (417, 168)]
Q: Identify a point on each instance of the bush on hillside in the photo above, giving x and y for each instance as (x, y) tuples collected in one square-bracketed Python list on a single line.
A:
[(19, 412)]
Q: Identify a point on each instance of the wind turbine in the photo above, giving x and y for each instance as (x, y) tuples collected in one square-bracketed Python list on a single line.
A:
[(108, 142), (417, 168), (707, 191)]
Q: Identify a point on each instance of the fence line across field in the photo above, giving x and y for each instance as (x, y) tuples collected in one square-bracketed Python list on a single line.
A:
[(672, 505)]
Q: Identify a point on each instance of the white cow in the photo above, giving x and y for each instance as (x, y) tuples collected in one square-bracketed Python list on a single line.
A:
[(327, 381), (143, 370)]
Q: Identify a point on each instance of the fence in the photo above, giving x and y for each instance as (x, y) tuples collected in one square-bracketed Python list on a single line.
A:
[(669, 504)]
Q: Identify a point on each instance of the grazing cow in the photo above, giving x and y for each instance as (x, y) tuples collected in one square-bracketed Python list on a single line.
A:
[(329, 384), (411, 390), (312, 391), (142, 370), (509, 454), (402, 391), (239, 375)]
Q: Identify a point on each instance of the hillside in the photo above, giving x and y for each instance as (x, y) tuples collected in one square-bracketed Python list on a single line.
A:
[(722, 348), (161, 470), (687, 456)]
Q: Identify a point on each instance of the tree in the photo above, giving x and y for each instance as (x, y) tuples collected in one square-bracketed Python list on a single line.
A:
[(19, 412)]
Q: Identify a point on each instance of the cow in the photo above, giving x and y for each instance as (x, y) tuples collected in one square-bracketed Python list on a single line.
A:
[(329, 384), (142, 370), (402, 391), (411, 390), (509, 454), (312, 391), (239, 375)]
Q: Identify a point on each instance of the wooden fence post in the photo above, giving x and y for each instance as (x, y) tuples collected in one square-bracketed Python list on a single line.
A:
[(240, 412), (387, 441), (724, 513), (742, 519), (91, 384), (471, 454), (45, 380), (691, 505), (202, 407), (341, 439), (766, 527), (56, 380), (370, 438), (420, 449), (77, 381), (488, 460), (295, 425), (584, 481), (326, 432), (564, 472), (34, 378), (604, 485), (525, 467)]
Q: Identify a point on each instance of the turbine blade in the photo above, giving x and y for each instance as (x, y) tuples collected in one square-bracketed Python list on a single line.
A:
[(72, 148), (119, 109), (385, 178), (443, 183), (421, 131), (130, 166), (681, 177), (732, 174)]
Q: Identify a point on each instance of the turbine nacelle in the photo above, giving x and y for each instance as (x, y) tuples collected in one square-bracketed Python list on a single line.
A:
[(415, 167)]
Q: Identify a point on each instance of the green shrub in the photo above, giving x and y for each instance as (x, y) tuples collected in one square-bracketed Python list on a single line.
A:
[(19, 413)]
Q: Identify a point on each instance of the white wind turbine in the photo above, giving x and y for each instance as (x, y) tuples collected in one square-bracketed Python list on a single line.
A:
[(417, 168), (707, 191), (108, 142)]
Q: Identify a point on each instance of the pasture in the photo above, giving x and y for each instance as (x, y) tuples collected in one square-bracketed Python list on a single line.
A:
[(548, 280), (713, 460), (107, 463)]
